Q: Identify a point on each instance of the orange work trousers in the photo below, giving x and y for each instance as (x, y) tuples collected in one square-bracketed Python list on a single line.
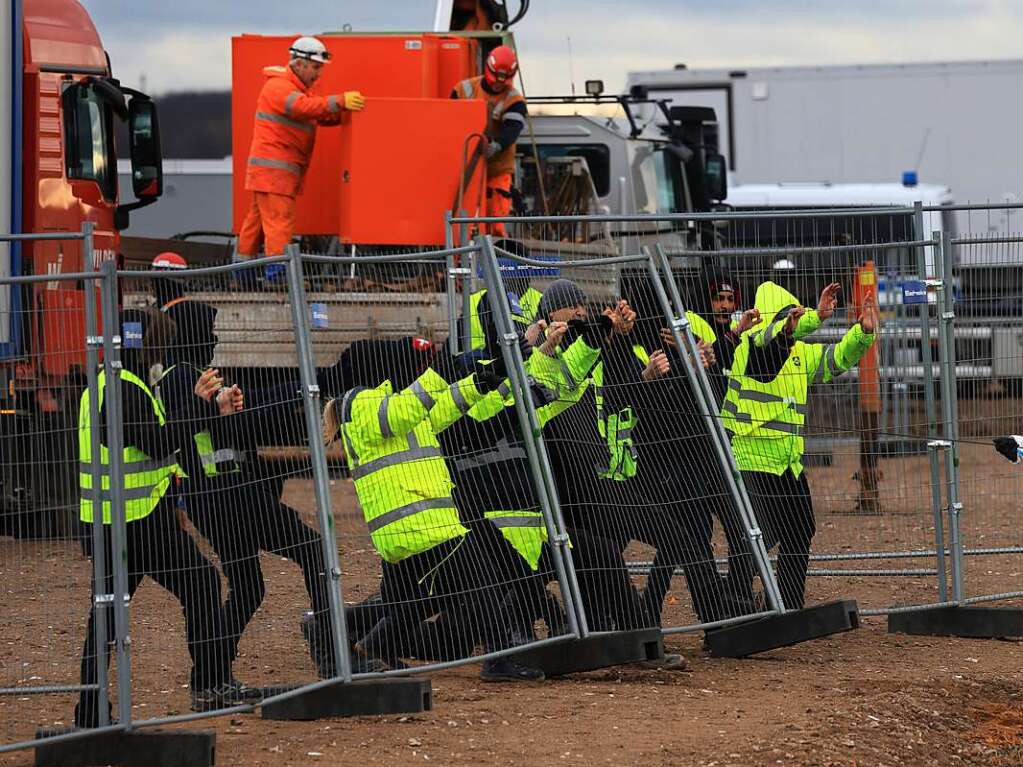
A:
[(270, 222), (499, 202)]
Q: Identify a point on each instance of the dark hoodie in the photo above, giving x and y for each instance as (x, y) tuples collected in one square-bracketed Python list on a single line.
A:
[(142, 428)]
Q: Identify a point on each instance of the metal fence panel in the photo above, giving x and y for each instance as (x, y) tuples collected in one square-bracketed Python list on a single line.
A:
[(984, 280), (877, 489), (637, 466), (46, 579), (439, 511)]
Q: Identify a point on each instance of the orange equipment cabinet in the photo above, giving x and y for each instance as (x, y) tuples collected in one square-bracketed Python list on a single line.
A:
[(402, 66), (401, 165)]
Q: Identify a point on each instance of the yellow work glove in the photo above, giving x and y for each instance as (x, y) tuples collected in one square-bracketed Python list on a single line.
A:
[(354, 102)]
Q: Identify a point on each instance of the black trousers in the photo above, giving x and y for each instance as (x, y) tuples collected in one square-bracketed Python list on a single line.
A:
[(157, 546), (530, 599), (681, 531), (454, 576), (784, 510), (239, 525), (609, 599)]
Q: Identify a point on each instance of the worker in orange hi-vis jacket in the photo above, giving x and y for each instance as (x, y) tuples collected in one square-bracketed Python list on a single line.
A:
[(282, 143), (506, 117)]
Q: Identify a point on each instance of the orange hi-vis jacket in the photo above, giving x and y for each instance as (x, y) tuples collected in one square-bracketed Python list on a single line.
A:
[(497, 104), (285, 132)]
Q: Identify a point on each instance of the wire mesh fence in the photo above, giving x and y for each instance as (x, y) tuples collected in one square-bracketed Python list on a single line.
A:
[(638, 463), (443, 534), (46, 579), (344, 465), (857, 490), (987, 298)]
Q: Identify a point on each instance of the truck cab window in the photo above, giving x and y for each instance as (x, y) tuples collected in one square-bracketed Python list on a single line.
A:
[(597, 156), (89, 141), (654, 182)]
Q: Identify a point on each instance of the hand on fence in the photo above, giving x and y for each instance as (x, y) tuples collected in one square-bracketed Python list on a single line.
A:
[(750, 318), (230, 400), (707, 356), (795, 314), (209, 383), (535, 331), (622, 317), (870, 317), (555, 332), (828, 301), (657, 367), (668, 338)]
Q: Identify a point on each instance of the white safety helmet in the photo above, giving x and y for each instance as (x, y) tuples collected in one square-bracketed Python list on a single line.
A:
[(309, 48)]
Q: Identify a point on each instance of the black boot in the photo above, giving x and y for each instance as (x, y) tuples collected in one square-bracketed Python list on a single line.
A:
[(507, 670), (316, 633)]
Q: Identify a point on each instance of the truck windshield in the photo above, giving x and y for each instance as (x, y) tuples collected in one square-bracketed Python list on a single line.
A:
[(88, 131), (654, 182)]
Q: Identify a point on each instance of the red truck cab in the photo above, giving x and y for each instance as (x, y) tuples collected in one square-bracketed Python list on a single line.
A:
[(61, 168), (70, 111)]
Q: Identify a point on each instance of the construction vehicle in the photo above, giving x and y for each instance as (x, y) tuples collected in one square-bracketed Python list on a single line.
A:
[(58, 169), (581, 164)]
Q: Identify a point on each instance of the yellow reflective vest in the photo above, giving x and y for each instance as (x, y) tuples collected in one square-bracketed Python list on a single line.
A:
[(215, 462), (766, 419), (402, 481), (528, 306), (146, 480)]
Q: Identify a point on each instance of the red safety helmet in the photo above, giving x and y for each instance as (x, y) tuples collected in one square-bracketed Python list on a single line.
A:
[(169, 260), (501, 66)]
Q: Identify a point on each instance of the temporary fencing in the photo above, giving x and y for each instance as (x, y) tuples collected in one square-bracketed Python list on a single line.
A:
[(876, 441), (983, 310), (449, 551), (52, 326), (511, 489), (611, 445)]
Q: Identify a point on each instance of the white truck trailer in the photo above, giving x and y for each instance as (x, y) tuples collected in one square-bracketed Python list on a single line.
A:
[(956, 123)]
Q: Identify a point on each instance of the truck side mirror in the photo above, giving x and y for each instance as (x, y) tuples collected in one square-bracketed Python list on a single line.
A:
[(146, 156), (716, 169)]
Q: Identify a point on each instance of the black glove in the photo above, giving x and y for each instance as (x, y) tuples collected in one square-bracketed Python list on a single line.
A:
[(1009, 447), (594, 332), (486, 380)]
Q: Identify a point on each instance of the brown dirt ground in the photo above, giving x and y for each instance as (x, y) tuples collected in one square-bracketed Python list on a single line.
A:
[(861, 698)]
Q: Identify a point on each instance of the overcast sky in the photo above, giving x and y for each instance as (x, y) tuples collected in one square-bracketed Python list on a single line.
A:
[(185, 44)]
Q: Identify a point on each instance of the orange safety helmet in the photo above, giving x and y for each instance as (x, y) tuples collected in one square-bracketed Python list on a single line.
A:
[(501, 66), (169, 260)]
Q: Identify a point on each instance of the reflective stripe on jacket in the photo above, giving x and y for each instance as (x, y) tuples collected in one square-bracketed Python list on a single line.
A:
[(145, 480), (497, 104), (617, 428), (284, 132), (215, 462), (403, 484), (766, 419), (525, 532)]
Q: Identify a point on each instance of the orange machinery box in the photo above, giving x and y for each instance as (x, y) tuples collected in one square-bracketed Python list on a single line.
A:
[(412, 66), (402, 162)]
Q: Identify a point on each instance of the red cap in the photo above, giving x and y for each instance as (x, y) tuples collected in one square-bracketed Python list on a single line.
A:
[(169, 260)]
